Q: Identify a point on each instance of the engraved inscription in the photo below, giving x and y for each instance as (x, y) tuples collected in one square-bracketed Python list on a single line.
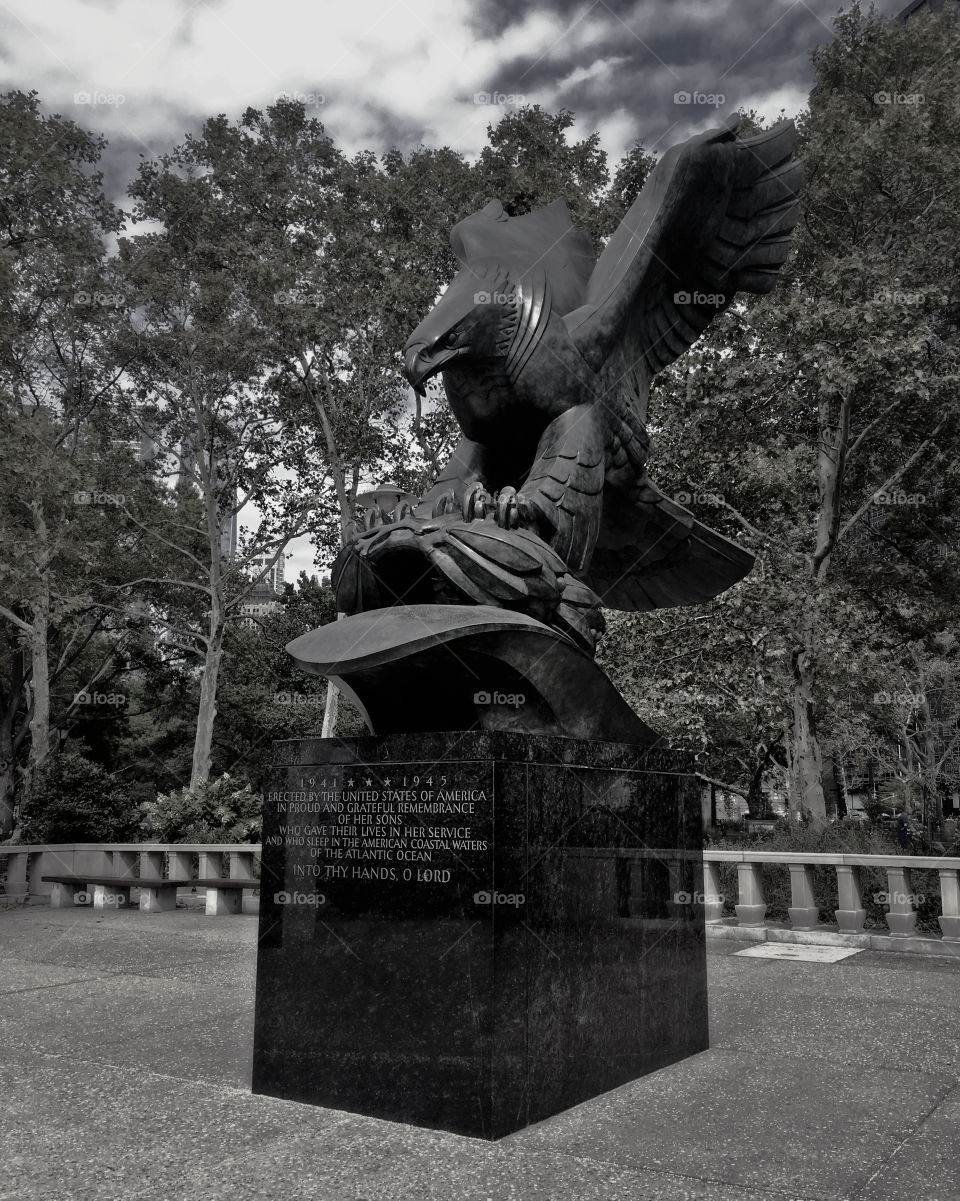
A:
[(389, 822)]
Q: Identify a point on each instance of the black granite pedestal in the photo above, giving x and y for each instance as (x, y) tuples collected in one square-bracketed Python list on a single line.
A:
[(472, 932)]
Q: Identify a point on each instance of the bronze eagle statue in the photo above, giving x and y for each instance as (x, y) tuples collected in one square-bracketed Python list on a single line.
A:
[(547, 356)]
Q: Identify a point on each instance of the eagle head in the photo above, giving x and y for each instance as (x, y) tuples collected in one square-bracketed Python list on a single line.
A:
[(475, 319)]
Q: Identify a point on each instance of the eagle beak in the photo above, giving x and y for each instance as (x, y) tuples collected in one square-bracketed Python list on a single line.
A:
[(415, 369)]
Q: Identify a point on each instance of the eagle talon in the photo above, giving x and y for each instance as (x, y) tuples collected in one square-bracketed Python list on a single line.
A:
[(447, 503), (476, 501), (507, 511)]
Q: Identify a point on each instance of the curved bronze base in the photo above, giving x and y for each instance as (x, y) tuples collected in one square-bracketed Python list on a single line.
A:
[(467, 667)]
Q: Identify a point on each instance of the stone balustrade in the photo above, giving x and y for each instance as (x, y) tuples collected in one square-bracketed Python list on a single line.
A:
[(850, 915), (26, 865)]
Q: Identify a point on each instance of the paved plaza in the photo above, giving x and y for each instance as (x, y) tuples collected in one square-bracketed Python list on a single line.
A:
[(125, 1056)]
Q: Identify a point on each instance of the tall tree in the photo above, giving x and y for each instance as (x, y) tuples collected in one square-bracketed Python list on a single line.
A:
[(57, 379), (196, 389), (804, 413)]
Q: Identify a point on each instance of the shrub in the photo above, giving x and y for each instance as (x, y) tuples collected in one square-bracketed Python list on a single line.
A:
[(218, 811), (75, 800)]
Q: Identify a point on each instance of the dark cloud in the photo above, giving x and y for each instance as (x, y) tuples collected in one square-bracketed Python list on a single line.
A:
[(126, 149), (740, 49), (618, 67), (387, 128)]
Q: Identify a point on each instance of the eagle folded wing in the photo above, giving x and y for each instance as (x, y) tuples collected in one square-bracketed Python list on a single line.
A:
[(563, 489), (664, 557)]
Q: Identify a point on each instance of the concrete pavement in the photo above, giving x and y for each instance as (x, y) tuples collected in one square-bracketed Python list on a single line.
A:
[(125, 1045)]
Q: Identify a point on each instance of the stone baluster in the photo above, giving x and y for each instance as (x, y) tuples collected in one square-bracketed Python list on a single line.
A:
[(211, 865), (676, 886), (950, 904), (181, 865), (751, 908), (125, 864), (804, 913), (712, 896), (901, 916), (850, 914), (241, 865), (37, 867), (17, 885), (151, 865)]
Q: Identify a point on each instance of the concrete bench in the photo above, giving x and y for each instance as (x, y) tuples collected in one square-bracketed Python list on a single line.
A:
[(113, 892), (223, 896)]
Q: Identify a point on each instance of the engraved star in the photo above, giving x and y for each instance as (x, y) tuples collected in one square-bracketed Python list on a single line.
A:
[(387, 781), (350, 782), (367, 782)]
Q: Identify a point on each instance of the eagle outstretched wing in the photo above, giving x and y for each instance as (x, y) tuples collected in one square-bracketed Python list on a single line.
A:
[(713, 219)]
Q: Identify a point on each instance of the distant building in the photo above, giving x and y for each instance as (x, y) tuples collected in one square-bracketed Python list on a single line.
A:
[(264, 599), (927, 6)]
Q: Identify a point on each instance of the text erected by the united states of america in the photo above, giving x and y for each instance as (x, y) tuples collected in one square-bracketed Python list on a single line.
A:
[(359, 824)]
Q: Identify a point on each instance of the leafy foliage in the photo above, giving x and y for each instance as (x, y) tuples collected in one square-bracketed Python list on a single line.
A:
[(75, 800), (219, 810)]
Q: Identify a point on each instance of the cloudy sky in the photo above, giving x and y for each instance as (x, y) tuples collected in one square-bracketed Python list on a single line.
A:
[(380, 73), (383, 73)]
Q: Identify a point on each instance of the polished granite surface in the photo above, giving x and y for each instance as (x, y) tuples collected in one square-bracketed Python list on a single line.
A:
[(475, 941)]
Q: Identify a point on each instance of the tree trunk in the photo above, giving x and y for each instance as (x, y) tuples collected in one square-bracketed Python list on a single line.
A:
[(806, 760), (928, 766), (331, 707), (207, 711), (40, 687), (839, 786), (9, 745), (756, 802), (7, 777), (831, 466)]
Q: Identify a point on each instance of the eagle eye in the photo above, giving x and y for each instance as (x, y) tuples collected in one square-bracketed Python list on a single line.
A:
[(451, 338)]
